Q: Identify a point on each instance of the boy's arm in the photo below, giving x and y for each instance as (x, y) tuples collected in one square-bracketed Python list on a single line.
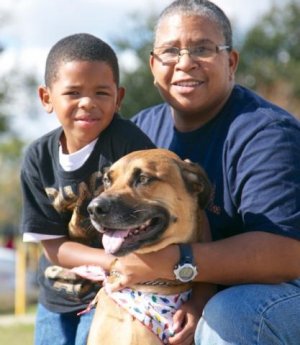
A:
[(69, 254)]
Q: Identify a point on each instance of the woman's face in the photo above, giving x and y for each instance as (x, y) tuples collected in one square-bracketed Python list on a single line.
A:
[(192, 87)]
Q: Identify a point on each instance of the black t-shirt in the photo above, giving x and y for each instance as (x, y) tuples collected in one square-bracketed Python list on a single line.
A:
[(55, 201)]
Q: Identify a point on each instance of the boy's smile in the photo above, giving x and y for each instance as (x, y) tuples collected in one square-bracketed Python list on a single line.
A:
[(84, 97)]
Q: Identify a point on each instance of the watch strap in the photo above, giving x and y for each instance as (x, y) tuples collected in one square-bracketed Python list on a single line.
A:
[(185, 270), (186, 254)]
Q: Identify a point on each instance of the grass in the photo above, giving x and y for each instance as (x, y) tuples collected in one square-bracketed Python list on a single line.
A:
[(17, 334)]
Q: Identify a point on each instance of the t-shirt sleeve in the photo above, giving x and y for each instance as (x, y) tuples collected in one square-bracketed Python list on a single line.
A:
[(38, 215), (262, 176)]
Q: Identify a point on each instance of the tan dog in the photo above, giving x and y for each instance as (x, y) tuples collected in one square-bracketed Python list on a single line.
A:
[(151, 199)]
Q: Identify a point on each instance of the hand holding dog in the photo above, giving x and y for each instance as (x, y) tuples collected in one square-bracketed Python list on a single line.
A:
[(134, 268), (185, 322)]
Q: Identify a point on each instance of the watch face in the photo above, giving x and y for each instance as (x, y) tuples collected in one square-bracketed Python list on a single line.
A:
[(186, 272)]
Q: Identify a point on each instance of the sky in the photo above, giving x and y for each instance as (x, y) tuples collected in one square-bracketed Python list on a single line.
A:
[(33, 26)]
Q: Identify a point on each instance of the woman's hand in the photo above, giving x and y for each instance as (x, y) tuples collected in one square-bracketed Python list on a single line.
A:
[(185, 323), (186, 318), (133, 268)]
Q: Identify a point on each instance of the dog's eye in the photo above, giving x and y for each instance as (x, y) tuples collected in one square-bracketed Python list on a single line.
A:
[(106, 182), (143, 179)]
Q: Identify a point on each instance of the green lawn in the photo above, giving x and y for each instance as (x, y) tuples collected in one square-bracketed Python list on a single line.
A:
[(17, 334)]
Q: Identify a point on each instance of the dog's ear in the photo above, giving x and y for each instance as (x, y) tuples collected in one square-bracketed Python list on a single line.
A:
[(105, 168), (196, 181)]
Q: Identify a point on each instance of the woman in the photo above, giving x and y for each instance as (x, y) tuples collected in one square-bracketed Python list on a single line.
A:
[(250, 150)]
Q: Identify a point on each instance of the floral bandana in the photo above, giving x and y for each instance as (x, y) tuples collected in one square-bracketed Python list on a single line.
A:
[(155, 311)]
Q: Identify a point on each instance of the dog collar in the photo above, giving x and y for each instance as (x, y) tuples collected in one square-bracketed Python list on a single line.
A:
[(185, 270)]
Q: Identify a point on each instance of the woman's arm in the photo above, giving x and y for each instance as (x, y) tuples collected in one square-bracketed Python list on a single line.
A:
[(254, 257)]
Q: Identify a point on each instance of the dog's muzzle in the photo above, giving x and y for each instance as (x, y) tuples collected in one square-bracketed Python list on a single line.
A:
[(125, 227)]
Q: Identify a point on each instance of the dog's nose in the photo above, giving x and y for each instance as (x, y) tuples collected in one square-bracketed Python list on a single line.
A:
[(98, 207)]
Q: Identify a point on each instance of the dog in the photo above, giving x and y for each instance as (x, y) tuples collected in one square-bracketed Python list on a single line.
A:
[(151, 199)]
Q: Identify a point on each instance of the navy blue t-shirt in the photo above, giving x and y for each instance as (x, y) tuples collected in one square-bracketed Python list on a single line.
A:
[(251, 153)]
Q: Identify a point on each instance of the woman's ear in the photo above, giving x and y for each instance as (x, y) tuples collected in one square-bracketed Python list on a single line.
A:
[(45, 97), (151, 62), (233, 63)]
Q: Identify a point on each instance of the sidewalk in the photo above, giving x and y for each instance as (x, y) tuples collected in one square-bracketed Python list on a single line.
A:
[(8, 320)]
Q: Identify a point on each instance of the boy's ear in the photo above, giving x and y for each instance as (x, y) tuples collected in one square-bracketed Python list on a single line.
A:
[(44, 94), (121, 94)]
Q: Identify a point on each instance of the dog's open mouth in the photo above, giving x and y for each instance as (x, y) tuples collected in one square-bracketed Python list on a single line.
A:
[(122, 241)]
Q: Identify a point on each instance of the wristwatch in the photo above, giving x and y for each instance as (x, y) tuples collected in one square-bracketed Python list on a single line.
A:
[(185, 270)]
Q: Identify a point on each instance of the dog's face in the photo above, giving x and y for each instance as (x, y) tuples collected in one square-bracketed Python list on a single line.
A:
[(151, 199)]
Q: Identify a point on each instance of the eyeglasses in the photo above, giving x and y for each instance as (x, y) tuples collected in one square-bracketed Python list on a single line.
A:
[(171, 55)]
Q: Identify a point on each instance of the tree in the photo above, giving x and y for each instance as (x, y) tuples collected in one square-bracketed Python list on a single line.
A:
[(137, 79), (10, 201), (270, 56), (3, 86), (269, 63), (15, 87)]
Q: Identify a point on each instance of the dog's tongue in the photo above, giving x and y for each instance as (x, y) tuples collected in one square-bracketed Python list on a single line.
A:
[(113, 240)]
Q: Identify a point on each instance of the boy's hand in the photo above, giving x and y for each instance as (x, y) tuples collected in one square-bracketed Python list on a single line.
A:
[(94, 273)]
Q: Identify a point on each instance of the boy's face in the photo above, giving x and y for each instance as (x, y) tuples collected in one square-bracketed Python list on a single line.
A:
[(84, 97)]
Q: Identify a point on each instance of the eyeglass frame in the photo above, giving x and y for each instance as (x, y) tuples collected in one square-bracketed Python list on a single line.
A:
[(218, 49)]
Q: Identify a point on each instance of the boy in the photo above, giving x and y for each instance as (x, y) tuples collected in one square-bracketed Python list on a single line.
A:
[(61, 173)]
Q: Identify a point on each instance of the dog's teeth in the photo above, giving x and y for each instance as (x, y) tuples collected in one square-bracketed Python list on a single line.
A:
[(145, 225)]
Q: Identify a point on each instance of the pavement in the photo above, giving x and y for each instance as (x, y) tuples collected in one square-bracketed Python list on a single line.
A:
[(8, 320)]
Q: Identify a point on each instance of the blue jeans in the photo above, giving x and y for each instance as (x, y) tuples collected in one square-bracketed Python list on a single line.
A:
[(252, 314), (61, 329)]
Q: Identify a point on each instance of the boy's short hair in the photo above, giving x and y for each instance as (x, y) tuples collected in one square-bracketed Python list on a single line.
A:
[(80, 47)]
